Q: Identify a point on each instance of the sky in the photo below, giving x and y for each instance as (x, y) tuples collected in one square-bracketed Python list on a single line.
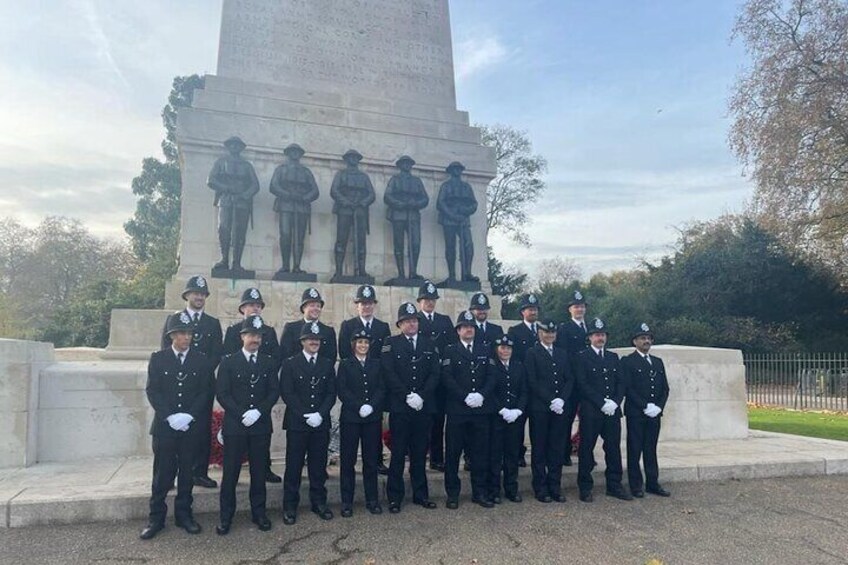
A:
[(626, 100)]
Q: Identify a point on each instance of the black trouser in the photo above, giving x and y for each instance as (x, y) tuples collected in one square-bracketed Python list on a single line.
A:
[(504, 441), (463, 233), (172, 454), (232, 228), (311, 446), (437, 439), (204, 447), (642, 436), (546, 430), (235, 447), (292, 234), (469, 432), (572, 404), (352, 435), (609, 429), (409, 435)]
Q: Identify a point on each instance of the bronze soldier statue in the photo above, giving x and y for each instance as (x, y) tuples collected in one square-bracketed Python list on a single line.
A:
[(234, 181), (405, 197), (352, 193), (295, 188), (456, 203)]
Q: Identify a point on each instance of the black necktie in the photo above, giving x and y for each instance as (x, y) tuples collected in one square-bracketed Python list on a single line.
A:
[(430, 317), (550, 351), (312, 361), (253, 359), (533, 328), (648, 359), (368, 326), (412, 342), (468, 347), (601, 353), (196, 317), (583, 327), (180, 357)]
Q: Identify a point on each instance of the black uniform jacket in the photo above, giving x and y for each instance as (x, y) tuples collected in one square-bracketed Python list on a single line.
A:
[(548, 377), (290, 340), (510, 390), (270, 346), (207, 337), (598, 379), (379, 332), (440, 331), (464, 372), (306, 389), (173, 388), (523, 339), (241, 387), (406, 371), (358, 385), (486, 340), (643, 383), (571, 337)]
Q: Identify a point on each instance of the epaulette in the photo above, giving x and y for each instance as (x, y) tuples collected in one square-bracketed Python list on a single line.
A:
[(387, 348), (446, 361), (491, 362)]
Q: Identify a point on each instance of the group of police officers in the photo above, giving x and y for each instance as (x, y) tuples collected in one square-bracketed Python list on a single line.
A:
[(449, 388)]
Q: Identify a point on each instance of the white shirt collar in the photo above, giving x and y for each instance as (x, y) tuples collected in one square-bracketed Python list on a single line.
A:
[(178, 352), (360, 359), (529, 325), (413, 336), (191, 312), (467, 344), (596, 350), (366, 322), (247, 354), (308, 355), (579, 322)]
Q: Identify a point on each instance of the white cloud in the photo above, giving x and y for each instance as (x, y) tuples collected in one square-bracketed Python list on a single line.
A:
[(477, 54)]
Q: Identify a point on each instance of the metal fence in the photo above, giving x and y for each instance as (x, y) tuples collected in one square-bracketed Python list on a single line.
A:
[(813, 381)]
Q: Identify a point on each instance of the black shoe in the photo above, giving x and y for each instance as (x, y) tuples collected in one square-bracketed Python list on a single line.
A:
[(522, 462), (496, 499), (382, 469), (638, 493), (323, 512), (619, 494), (558, 498), (151, 530), (567, 462), (452, 503), (394, 507), (586, 497), (272, 477), (440, 467), (483, 502), (289, 518), (657, 490), (426, 503), (262, 522), (205, 482), (347, 511), (544, 498), (515, 497), (189, 525), (222, 529), (374, 508)]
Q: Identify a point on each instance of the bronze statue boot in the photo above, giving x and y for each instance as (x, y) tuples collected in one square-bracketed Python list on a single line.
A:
[(223, 264), (360, 267)]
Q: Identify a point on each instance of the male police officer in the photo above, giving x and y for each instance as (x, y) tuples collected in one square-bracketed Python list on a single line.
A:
[(601, 393), (247, 389), (571, 336), (646, 393), (206, 337), (525, 335), (438, 328), (486, 332), (411, 373), (468, 405), (308, 387), (378, 330), (550, 381), (311, 305), (179, 388)]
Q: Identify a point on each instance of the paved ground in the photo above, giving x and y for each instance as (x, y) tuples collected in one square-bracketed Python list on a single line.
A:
[(769, 521)]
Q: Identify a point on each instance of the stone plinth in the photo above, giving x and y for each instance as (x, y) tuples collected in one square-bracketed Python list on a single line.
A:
[(21, 363)]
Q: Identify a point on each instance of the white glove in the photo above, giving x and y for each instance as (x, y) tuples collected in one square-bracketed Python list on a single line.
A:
[(609, 407), (180, 421), (652, 411), (505, 414), (314, 419), (516, 414), (557, 405), (250, 417), (512, 415), (474, 400), (366, 410), (414, 401)]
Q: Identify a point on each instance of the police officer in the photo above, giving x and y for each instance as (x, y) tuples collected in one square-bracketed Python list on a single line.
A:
[(411, 371), (468, 405), (571, 336), (601, 393), (207, 338), (646, 392), (308, 387), (361, 391), (247, 389), (550, 381), (253, 305), (486, 332), (438, 328), (179, 388), (311, 305), (506, 433), (378, 330), (525, 335)]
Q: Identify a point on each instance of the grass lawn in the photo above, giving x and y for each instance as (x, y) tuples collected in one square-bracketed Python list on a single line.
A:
[(827, 425)]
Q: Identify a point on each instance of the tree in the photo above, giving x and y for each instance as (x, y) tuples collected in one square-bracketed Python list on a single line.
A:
[(557, 271), (790, 111), (507, 282), (518, 182)]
